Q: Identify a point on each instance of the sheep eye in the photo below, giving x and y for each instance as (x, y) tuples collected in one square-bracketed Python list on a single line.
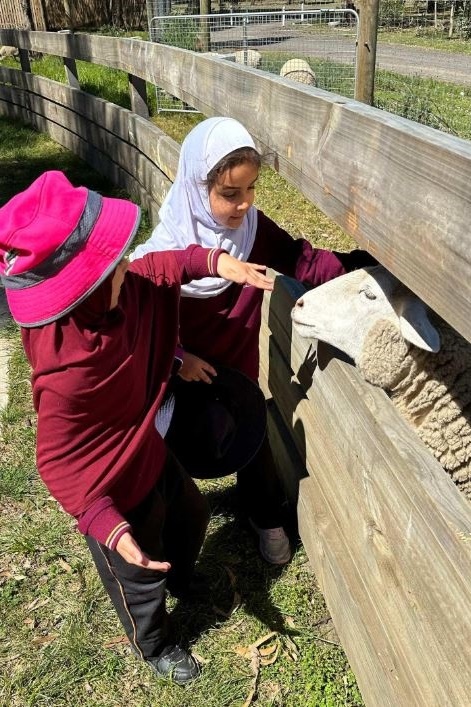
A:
[(368, 292)]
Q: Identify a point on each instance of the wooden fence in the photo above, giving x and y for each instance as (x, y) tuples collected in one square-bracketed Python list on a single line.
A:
[(388, 534)]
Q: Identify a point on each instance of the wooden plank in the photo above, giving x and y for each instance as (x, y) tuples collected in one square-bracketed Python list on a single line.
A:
[(291, 468), (114, 144), (335, 150), (290, 464), (388, 533), (144, 135), (97, 159)]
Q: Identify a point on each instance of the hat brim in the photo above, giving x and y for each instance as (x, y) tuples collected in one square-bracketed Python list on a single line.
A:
[(186, 435), (57, 295)]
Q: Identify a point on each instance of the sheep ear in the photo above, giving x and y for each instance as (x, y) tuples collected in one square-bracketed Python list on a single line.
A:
[(417, 328)]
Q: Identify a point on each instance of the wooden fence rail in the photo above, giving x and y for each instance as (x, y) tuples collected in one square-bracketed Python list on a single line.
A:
[(387, 532)]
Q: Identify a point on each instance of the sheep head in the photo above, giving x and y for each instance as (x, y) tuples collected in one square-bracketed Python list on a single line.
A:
[(343, 312)]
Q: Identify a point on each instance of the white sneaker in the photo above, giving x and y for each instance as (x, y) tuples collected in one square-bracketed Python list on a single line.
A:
[(274, 544)]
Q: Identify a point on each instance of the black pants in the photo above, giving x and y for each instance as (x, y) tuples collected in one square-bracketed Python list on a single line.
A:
[(168, 525), (261, 493)]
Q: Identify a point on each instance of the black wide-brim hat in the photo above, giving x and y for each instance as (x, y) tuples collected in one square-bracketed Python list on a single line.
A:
[(218, 427)]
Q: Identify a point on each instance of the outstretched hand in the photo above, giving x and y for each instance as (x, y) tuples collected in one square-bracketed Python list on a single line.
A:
[(132, 553), (243, 273), (194, 368)]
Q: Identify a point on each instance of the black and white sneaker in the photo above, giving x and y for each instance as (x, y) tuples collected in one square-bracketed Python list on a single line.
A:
[(175, 663)]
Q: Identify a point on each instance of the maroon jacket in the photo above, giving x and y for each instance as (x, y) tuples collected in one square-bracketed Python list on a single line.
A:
[(98, 379), (225, 328)]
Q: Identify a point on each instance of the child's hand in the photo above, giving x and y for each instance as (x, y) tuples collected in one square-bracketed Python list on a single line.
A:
[(132, 553), (243, 273), (195, 369)]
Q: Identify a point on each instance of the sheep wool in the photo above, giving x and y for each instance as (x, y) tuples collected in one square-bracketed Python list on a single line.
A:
[(432, 390)]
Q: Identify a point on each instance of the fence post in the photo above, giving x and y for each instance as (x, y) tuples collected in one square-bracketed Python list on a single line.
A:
[(138, 95), (366, 50), (25, 60), (70, 66), (205, 31)]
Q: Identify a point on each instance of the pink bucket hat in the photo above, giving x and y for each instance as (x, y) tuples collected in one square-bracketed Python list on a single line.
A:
[(57, 244)]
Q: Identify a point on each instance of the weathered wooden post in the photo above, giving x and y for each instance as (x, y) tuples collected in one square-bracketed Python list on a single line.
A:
[(205, 31), (366, 50), (70, 65)]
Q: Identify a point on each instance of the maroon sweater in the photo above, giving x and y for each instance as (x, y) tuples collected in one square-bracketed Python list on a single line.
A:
[(225, 328), (98, 379)]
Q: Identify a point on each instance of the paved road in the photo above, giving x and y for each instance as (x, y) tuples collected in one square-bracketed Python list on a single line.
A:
[(431, 63)]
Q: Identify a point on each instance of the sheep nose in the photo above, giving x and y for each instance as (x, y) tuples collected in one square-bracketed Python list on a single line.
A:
[(299, 302)]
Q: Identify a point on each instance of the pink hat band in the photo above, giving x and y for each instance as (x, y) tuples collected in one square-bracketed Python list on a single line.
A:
[(57, 244)]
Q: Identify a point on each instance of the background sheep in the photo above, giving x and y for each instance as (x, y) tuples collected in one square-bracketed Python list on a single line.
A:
[(249, 57), (399, 345), (6, 51), (298, 70)]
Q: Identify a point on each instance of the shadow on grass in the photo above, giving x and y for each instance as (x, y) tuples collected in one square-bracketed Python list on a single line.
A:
[(237, 575)]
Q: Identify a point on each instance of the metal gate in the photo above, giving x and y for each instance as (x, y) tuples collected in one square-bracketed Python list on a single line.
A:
[(316, 47)]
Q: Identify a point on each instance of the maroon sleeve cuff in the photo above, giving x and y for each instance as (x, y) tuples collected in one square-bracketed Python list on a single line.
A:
[(202, 262), (104, 522)]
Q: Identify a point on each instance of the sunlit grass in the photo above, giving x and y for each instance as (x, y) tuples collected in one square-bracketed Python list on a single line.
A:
[(424, 37), (440, 105)]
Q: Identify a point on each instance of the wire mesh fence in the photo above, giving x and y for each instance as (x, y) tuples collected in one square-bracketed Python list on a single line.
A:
[(316, 47)]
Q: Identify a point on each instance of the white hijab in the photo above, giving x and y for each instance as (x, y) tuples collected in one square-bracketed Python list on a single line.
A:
[(185, 215)]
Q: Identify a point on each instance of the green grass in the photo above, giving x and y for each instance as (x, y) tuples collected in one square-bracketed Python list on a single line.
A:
[(60, 641), (424, 37), (440, 105)]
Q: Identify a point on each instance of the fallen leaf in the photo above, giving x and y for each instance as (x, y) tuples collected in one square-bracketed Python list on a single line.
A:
[(267, 651), (232, 577), (37, 603), (264, 639), (44, 640), (255, 665), (291, 648), (273, 657), (65, 565), (116, 641), (235, 605), (244, 651), (255, 661), (250, 697)]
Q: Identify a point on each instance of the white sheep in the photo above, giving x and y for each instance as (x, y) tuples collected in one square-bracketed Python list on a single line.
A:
[(401, 346), (6, 51), (298, 70), (249, 57)]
